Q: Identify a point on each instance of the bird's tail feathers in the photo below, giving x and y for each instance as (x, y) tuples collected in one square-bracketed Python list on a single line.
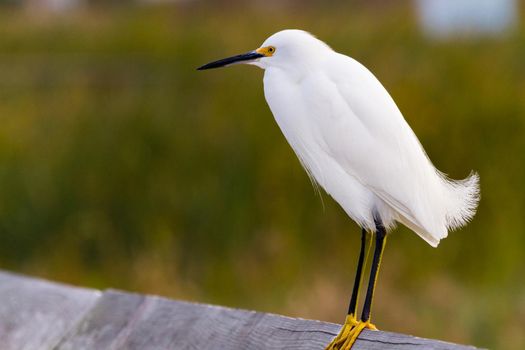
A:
[(421, 232), (463, 199)]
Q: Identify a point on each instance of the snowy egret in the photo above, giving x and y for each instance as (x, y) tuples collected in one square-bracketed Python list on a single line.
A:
[(351, 138)]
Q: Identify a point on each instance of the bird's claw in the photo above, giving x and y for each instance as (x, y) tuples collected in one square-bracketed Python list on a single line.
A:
[(349, 333)]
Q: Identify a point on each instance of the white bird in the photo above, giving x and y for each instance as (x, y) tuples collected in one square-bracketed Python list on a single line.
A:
[(351, 138)]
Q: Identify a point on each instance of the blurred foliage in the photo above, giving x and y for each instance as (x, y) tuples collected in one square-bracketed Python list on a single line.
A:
[(122, 166)]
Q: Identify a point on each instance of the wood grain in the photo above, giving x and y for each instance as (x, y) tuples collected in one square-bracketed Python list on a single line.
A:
[(36, 314)]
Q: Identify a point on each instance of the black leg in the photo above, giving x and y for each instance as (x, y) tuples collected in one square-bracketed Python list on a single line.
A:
[(352, 308), (378, 253)]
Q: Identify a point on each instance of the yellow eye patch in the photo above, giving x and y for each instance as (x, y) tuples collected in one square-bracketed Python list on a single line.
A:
[(266, 51)]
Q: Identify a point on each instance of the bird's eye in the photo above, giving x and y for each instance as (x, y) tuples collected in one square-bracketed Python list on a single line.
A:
[(271, 49)]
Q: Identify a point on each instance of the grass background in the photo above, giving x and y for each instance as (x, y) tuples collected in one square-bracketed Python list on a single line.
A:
[(121, 166)]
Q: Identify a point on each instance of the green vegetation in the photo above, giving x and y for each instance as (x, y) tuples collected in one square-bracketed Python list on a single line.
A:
[(122, 166)]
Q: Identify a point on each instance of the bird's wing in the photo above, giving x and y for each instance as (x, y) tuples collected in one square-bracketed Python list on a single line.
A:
[(366, 134)]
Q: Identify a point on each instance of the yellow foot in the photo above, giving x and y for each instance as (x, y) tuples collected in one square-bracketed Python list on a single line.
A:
[(349, 333)]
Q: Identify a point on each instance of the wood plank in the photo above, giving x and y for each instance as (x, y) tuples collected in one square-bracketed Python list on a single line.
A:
[(40, 315), (130, 321), (110, 320), (36, 314)]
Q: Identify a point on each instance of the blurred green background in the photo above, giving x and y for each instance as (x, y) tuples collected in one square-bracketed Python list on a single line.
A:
[(122, 166)]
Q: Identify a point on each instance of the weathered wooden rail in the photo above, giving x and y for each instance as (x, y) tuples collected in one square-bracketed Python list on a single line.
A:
[(39, 315)]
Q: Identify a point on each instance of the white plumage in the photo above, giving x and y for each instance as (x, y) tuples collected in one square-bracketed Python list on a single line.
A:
[(352, 139), (354, 142)]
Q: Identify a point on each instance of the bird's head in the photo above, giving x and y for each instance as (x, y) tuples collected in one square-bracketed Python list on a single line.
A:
[(287, 48)]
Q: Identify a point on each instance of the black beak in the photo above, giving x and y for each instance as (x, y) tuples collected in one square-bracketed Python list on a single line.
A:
[(249, 56)]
